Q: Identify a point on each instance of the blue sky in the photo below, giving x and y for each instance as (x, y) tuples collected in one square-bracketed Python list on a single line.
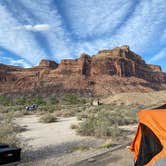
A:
[(31, 30)]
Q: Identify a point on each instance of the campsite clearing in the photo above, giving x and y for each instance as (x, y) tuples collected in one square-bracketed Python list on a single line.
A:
[(57, 143)]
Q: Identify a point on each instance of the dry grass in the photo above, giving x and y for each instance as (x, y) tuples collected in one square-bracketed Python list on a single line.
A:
[(74, 126), (65, 113), (80, 148), (99, 125), (104, 121), (48, 118), (107, 144), (8, 131)]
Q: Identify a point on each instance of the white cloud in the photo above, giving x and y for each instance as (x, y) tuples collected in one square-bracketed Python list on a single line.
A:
[(141, 31), (20, 62), (101, 24), (37, 27), (58, 38), (15, 62), (19, 42), (89, 18)]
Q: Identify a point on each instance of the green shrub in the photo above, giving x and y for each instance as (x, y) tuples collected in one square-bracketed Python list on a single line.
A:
[(13, 109), (39, 100), (82, 115), (104, 120), (47, 108), (71, 98), (83, 101), (95, 125), (48, 118), (53, 100), (5, 101), (103, 123), (20, 101)]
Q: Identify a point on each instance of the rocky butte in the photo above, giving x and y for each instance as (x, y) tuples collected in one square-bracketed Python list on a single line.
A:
[(107, 72)]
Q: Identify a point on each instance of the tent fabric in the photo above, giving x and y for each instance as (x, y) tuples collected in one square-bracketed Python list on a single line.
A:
[(160, 162), (155, 121), (150, 146)]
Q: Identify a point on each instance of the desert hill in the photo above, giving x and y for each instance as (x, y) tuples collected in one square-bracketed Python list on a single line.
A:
[(156, 98), (107, 72)]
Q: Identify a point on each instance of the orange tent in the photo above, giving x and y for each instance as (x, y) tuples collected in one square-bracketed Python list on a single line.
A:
[(149, 144)]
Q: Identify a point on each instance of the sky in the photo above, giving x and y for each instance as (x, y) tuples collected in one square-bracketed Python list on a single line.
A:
[(31, 30)]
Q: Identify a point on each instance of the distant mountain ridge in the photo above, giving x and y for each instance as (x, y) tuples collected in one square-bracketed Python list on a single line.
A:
[(107, 72)]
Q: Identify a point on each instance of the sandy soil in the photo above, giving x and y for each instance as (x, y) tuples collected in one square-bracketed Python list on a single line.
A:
[(53, 143), (118, 155), (40, 135), (151, 98)]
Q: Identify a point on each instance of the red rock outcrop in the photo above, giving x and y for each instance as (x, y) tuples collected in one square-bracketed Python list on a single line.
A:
[(155, 68), (48, 64), (109, 71)]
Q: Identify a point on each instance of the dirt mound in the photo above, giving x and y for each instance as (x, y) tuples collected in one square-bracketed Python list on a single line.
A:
[(151, 98)]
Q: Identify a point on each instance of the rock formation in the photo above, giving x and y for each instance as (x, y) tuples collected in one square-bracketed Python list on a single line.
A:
[(109, 71), (48, 64)]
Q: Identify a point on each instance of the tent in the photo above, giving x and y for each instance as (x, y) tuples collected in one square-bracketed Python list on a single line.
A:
[(149, 144)]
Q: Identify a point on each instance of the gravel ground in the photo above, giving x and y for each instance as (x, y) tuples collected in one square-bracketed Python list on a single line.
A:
[(53, 143)]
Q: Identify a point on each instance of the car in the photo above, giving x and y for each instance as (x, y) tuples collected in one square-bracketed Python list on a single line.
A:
[(9, 155)]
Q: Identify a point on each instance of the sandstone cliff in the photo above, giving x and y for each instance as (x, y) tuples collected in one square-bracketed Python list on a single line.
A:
[(109, 71)]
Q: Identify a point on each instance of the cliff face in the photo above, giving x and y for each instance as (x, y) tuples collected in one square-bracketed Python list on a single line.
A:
[(48, 64), (108, 71)]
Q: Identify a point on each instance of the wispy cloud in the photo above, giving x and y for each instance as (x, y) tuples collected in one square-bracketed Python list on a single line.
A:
[(20, 42), (15, 62), (159, 56), (38, 27), (95, 18), (20, 62), (142, 30), (58, 38)]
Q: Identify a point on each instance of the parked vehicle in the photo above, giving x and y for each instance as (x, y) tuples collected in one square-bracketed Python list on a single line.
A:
[(9, 155), (31, 107)]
